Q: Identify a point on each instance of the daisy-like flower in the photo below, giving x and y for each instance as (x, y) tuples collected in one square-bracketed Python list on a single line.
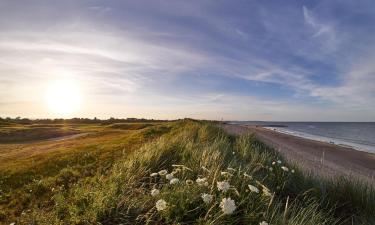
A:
[(253, 188), (154, 174), (223, 186), (263, 223), (292, 171), (285, 168), (155, 192), (279, 161), (207, 198), (202, 181), (273, 163), (169, 176), (227, 205), (174, 181), (189, 182), (163, 172), (161, 205)]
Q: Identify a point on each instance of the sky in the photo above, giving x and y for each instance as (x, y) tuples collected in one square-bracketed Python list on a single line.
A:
[(290, 60)]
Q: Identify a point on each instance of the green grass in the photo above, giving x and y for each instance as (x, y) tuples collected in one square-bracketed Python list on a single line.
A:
[(121, 193)]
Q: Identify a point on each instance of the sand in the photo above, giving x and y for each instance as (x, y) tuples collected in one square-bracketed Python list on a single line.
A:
[(317, 157)]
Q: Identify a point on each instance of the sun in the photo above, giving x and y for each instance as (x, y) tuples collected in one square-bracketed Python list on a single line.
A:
[(63, 97)]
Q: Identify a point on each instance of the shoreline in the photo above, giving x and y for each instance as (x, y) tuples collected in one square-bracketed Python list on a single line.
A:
[(312, 156), (332, 141)]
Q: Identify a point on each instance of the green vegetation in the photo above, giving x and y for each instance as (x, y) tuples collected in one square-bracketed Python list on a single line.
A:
[(115, 176)]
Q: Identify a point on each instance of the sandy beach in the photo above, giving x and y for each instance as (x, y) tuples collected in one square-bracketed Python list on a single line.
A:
[(320, 158)]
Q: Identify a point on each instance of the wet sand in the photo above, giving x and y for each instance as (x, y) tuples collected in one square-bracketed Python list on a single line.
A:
[(320, 158)]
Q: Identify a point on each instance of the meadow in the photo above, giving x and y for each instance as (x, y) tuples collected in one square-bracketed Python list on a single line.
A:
[(181, 172)]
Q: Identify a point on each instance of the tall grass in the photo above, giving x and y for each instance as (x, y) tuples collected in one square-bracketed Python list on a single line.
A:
[(191, 150)]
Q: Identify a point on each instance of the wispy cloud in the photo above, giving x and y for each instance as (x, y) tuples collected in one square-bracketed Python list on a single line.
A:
[(177, 59)]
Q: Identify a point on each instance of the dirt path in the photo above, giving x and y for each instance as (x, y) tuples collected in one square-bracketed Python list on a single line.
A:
[(313, 156)]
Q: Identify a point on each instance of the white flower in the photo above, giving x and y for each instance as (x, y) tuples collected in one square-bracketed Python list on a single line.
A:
[(174, 181), (233, 153), (163, 172), (271, 169), (273, 163), (169, 176), (153, 174), (202, 181), (189, 182), (155, 192), (161, 205), (292, 171), (279, 161), (253, 188), (285, 168), (223, 186), (227, 205), (207, 198), (263, 223)]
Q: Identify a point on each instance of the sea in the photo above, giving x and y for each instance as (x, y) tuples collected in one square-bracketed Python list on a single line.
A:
[(356, 135)]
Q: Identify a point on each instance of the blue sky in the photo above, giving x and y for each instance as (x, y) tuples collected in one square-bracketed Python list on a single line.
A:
[(233, 60)]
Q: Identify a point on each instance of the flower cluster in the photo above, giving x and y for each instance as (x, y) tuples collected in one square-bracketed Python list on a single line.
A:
[(214, 197)]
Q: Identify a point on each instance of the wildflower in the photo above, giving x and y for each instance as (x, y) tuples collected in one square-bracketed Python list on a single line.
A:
[(233, 153), (207, 198), (263, 223), (285, 168), (253, 188), (161, 205), (227, 205), (273, 163), (163, 172), (189, 182), (279, 161), (169, 176), (223, 186), (174, 181), (153, 174), (271, 169), (247, 175), (155, 192), (231, 169), (292, 171), (202, 181)]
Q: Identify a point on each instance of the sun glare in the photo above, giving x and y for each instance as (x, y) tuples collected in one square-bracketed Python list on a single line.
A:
[(63, 97)]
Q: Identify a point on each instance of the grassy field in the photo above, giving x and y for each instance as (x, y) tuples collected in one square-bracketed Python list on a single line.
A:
[(183, 172)]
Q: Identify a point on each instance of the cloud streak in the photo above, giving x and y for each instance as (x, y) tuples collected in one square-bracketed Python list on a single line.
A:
[(176, 59)]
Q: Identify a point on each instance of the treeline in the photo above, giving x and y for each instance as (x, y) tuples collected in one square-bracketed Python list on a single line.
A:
[(19, 120)]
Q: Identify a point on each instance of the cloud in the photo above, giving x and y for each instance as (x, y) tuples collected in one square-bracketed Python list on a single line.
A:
[(179, 58)]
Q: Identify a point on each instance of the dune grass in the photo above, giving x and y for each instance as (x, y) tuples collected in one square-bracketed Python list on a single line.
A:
[(202, 159)]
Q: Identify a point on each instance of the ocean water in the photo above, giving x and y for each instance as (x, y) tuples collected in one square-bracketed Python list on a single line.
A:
[(357, 135)]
